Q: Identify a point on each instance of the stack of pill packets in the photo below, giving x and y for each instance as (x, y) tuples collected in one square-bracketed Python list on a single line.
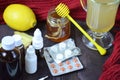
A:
[(62, 58)]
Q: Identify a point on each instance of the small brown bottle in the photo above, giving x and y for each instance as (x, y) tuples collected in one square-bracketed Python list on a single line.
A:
[(19, 45), (10, 60)]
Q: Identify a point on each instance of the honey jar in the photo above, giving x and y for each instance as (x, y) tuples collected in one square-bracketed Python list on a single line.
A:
[(57, 28)]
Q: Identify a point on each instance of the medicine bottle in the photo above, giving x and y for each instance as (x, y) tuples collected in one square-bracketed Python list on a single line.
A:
[(30, 60), (37, 43), (10, 60), (57, 28), (19, 45)]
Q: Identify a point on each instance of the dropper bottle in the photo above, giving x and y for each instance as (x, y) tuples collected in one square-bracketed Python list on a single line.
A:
[(30, 60), (37, 43), (19, 45)]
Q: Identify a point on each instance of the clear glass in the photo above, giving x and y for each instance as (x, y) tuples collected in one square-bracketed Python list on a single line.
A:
[(100, 19)]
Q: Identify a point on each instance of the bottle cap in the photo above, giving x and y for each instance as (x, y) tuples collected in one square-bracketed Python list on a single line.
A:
[(18, 40), (30, 50), (37, 34), (8, 43)]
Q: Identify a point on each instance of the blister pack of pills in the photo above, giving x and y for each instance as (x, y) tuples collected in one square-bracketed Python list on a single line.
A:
[(63, 50), (67, 66)]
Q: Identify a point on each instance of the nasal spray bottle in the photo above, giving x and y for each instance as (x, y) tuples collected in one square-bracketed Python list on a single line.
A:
[(37, 43), (30, 60)]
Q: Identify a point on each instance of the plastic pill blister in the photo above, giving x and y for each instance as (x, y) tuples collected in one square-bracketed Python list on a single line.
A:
[(67, 66), (63, 50), (62, 58)]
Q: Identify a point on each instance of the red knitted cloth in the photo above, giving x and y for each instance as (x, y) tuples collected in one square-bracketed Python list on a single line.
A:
[(111, 68), (41, 7)]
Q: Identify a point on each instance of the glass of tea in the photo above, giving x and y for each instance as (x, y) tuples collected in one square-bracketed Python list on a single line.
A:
[(100, 19)]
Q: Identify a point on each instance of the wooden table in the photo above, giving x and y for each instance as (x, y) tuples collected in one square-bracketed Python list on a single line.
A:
[(91, 60)]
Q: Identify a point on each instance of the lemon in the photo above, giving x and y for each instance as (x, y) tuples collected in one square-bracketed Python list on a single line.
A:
[(19, 17)]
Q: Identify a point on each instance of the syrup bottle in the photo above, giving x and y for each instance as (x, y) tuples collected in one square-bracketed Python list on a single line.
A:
[(37, 43), (19, 45), (10, 67)]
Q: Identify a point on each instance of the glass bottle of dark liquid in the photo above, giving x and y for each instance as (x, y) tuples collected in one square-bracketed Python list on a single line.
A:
[(10, 65), (19, 45)]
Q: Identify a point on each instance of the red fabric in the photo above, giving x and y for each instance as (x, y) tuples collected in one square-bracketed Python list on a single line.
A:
[(41, 7), (111, 68)]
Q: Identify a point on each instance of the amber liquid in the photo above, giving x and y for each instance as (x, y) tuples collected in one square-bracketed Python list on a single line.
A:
[(52, 29), (22, 52), (101, 17), (10, 67)]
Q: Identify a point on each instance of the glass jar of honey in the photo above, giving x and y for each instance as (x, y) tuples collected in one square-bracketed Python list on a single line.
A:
[(57, 28)]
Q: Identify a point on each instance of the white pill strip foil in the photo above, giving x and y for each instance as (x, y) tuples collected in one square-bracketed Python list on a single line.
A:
[(63, 50)]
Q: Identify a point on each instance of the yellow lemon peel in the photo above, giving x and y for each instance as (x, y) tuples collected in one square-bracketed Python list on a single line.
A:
[(19, 17)]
